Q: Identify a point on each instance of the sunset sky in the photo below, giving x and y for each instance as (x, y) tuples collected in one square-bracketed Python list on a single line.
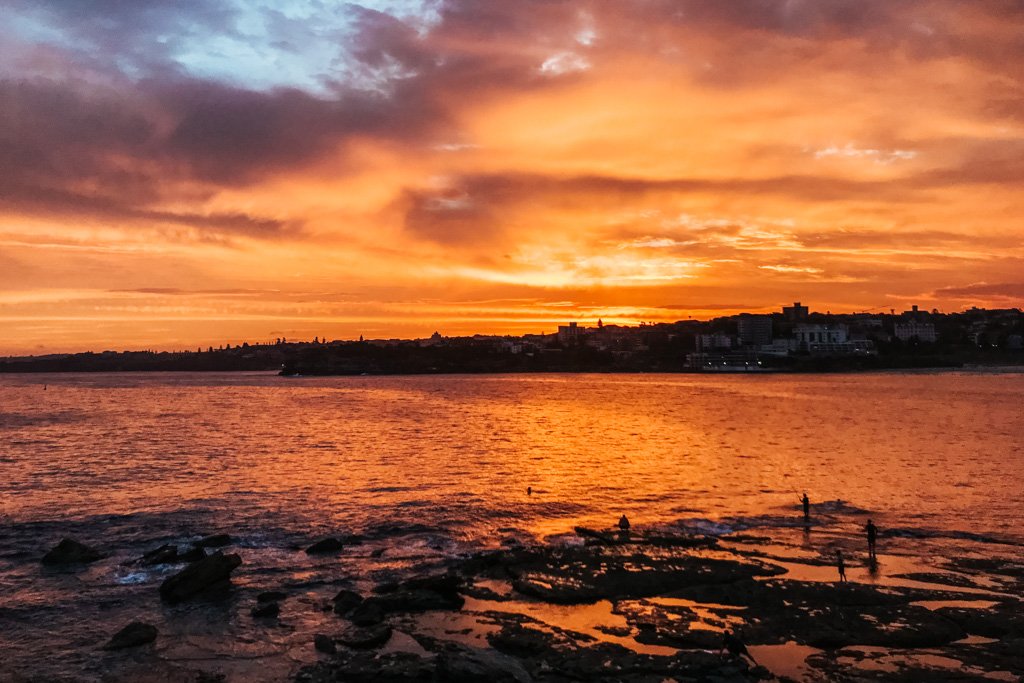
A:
[(193, 172)]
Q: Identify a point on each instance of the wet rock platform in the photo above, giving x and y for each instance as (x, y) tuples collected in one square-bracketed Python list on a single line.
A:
[(644, 607)]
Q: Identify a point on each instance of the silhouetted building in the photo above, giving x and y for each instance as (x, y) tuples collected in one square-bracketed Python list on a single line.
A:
[(910, 329), (708, 342), (819, 334), (570, 334), (755, 330), (795, 313)]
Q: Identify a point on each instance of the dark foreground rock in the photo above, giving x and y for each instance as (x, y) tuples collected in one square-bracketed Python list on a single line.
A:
[(214, 541), (577, 575), (326, 546), (364, 638), (266, 610), (346, 601), (670, 600), (133, 635), (165, 554), (70, 551), (468, 665), (366, 667), (324, 643), (825, 615), (271, 596), (208, 574)]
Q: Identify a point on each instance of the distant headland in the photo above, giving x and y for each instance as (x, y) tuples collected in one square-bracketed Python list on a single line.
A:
[(794, 339)]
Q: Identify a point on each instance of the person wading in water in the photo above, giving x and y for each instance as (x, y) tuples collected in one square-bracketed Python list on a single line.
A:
[(872, 531)]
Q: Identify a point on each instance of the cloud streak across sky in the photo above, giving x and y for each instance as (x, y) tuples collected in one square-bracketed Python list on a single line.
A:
[(191, 172)]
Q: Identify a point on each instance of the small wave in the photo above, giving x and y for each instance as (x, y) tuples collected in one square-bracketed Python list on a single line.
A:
[(19, 420), (837, 506), (392, 530), (729, 525), (133, 578)]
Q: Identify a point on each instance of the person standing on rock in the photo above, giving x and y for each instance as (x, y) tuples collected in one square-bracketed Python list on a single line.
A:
[(807, 507), (872, 532), (841, 566)]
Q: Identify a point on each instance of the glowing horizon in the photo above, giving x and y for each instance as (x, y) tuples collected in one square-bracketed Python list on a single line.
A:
[(178, 175)]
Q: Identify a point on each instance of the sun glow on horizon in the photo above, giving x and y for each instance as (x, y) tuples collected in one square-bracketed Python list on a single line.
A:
[(178, 178)]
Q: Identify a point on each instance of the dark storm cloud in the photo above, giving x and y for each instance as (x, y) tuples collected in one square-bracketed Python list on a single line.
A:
[(471, 209), (62, 204), (128, 143), (66, 148)]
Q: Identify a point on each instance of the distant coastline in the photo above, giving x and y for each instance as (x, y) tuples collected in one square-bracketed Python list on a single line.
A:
[(794, 340)]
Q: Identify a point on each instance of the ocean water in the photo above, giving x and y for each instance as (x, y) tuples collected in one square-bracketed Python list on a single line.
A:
[(431, 466)]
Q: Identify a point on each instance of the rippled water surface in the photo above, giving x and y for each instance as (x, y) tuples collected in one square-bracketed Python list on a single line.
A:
[(459, 451), (443, 463)]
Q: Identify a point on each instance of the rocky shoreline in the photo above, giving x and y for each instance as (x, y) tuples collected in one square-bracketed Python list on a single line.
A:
[(641, 606)]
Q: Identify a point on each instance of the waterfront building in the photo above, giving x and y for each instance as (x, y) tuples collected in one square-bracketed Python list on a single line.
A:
[(715, 340), (820, 334), (570, 334), (754, 330), (906, 330)]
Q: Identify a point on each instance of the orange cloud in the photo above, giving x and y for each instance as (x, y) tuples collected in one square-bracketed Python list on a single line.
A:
[(485, 166)]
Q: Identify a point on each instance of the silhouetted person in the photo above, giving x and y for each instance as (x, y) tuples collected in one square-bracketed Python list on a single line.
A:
[(841, 566), (872, 531), (529, 490), (735, 647), (807, 507), (623, 523)]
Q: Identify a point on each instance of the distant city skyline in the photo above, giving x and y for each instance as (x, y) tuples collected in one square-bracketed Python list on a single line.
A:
[(185, 174), (753, 328)]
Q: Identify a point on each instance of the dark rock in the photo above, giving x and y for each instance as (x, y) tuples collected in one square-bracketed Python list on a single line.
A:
[(414, 601), (365, 638), (70, 551), (1002, 621), (573, 575), (367, 613), (325, 546), (594, 535), (268, 610), (165, 554), (193, 554), (826, 615), (271, 596), (198, 577), (473, 665), (214, 541), (324, 644), (346, 601), (356, 666), (209, 677), (132, 635), (447, 585), (522, 640)]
